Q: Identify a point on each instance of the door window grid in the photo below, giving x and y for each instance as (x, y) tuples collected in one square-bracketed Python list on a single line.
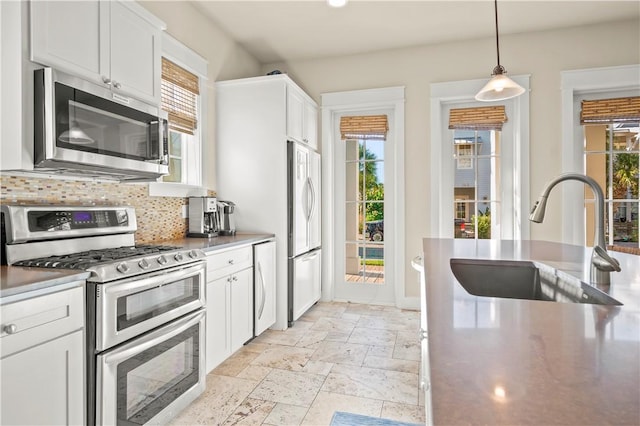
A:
[(611, 157), (365, 245), (476, 183)]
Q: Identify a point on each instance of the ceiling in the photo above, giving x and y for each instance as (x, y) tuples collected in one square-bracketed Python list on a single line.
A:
[(275, 31)]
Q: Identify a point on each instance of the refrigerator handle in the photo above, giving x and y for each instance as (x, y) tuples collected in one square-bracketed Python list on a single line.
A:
[(310, 199), (313, 198)]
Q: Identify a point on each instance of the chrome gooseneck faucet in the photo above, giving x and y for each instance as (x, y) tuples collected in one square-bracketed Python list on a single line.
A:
[(601, 263)]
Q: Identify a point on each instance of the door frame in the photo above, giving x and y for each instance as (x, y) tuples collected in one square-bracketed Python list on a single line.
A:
[(334, 104)]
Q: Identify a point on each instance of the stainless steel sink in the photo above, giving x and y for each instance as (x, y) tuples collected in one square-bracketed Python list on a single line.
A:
[(512, 279)]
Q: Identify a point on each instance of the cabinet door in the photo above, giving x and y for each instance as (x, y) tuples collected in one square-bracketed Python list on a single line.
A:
[(241, 308), (218, 343), (265, 286), (44, 384), (295, 114), (135, 54), (72, 36), (310, 125)]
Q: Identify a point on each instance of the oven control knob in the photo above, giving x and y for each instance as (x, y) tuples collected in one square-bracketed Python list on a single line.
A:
[(193, 254), (162, 259), (122, 268), (178, 257), (144, 264)]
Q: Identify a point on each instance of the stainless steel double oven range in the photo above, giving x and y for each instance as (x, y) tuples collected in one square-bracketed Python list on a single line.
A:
[(145, 307)]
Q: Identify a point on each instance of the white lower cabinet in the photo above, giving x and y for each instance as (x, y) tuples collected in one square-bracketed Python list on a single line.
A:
[(42, 359), (264, 258), (229, 303)]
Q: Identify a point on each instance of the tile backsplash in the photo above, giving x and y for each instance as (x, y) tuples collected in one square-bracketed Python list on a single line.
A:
[(159, 218)]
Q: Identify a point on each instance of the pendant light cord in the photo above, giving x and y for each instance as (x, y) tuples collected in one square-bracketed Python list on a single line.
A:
[(497, 38)]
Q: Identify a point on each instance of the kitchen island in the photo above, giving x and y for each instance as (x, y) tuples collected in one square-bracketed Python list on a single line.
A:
[(509, 361)]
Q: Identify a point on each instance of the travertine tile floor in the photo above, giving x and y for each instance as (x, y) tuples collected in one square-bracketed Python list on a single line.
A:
[(361, 359)]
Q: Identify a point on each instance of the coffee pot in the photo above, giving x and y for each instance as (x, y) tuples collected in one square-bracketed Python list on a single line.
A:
[(227, 222), (203, 217)]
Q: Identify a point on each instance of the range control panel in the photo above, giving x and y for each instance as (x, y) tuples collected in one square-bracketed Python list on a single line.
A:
[(76, 219)]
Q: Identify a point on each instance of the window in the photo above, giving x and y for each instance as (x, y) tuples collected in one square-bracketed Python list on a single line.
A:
[(612, 158), (180, 95), (186, 129)]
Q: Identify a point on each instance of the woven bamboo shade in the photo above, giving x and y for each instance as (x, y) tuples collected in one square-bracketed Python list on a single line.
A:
[(179, 94), (478, 118), (608, 110), (364, 127)]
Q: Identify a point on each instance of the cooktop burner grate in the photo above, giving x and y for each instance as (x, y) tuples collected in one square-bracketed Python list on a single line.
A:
[(86, 259)]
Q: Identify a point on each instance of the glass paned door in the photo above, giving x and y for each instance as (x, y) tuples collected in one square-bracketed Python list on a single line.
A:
[(476, 209), (364, 207)]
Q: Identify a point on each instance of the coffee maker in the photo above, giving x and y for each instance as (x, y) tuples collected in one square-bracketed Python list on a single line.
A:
[(227, 223), (203, 217)]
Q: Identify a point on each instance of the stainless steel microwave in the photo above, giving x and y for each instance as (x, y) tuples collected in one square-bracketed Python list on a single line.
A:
[(81, 128)]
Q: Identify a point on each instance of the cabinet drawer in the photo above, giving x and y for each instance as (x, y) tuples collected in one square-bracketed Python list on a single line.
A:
[(229, 262), (33, 321)]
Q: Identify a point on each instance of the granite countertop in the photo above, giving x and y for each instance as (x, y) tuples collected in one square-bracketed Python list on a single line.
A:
[(220, 242), (510, 361), (18, 282)]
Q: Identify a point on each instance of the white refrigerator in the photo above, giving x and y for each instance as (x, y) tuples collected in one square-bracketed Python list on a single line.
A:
[(305, 254)]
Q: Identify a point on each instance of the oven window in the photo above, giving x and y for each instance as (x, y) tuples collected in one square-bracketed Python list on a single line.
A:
[(151, 380), (138, 307)]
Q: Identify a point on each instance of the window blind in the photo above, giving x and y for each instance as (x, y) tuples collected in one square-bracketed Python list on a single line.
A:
[(478, 118), (364, 127), (179, 95), (609, 110)]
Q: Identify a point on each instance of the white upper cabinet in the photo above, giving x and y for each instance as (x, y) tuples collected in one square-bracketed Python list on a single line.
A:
[(302, 118), (112, 43)]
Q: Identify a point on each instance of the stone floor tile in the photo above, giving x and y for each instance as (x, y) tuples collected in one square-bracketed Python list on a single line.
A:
[(326, 404), (339, 325), (340, 353), (284, 358), (394, 386), (370, 336), (403, 412), (407, 346), (311, 339), (395, 323), (392, 364), (250, 412), (237, 362), (288, 387), (288, 337), (381, 351), (220, 399), (286, 415), (254, 372)]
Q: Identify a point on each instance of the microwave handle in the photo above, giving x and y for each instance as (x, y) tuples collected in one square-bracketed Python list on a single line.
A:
[(163, 140)]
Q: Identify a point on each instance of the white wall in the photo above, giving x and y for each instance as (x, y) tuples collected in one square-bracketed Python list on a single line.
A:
[(543, 55), (226, 60)]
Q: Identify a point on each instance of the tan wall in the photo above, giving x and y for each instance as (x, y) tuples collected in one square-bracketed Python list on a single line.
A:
[(226, 60), (543, 55)]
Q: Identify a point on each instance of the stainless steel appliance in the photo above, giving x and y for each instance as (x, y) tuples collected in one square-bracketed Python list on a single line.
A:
[(227, 218), (81, 128), (204, 219), (145, 307)]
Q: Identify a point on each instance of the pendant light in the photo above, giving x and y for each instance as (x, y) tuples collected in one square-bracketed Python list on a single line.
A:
[(75, 135), (500, 87)]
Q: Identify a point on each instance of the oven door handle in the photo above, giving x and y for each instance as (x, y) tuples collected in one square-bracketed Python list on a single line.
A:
[(152, 339), (153, 281)]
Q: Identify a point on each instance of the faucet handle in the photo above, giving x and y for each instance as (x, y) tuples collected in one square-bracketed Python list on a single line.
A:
[(605, 262)]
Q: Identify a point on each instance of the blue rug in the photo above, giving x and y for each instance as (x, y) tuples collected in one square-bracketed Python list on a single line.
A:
[(347, 419)]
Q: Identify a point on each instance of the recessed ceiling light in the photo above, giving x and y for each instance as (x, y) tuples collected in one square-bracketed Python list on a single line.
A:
[(336, 3)]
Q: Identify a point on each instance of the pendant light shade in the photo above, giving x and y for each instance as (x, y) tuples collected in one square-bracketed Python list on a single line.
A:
[(500, 87), (75, 135)]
